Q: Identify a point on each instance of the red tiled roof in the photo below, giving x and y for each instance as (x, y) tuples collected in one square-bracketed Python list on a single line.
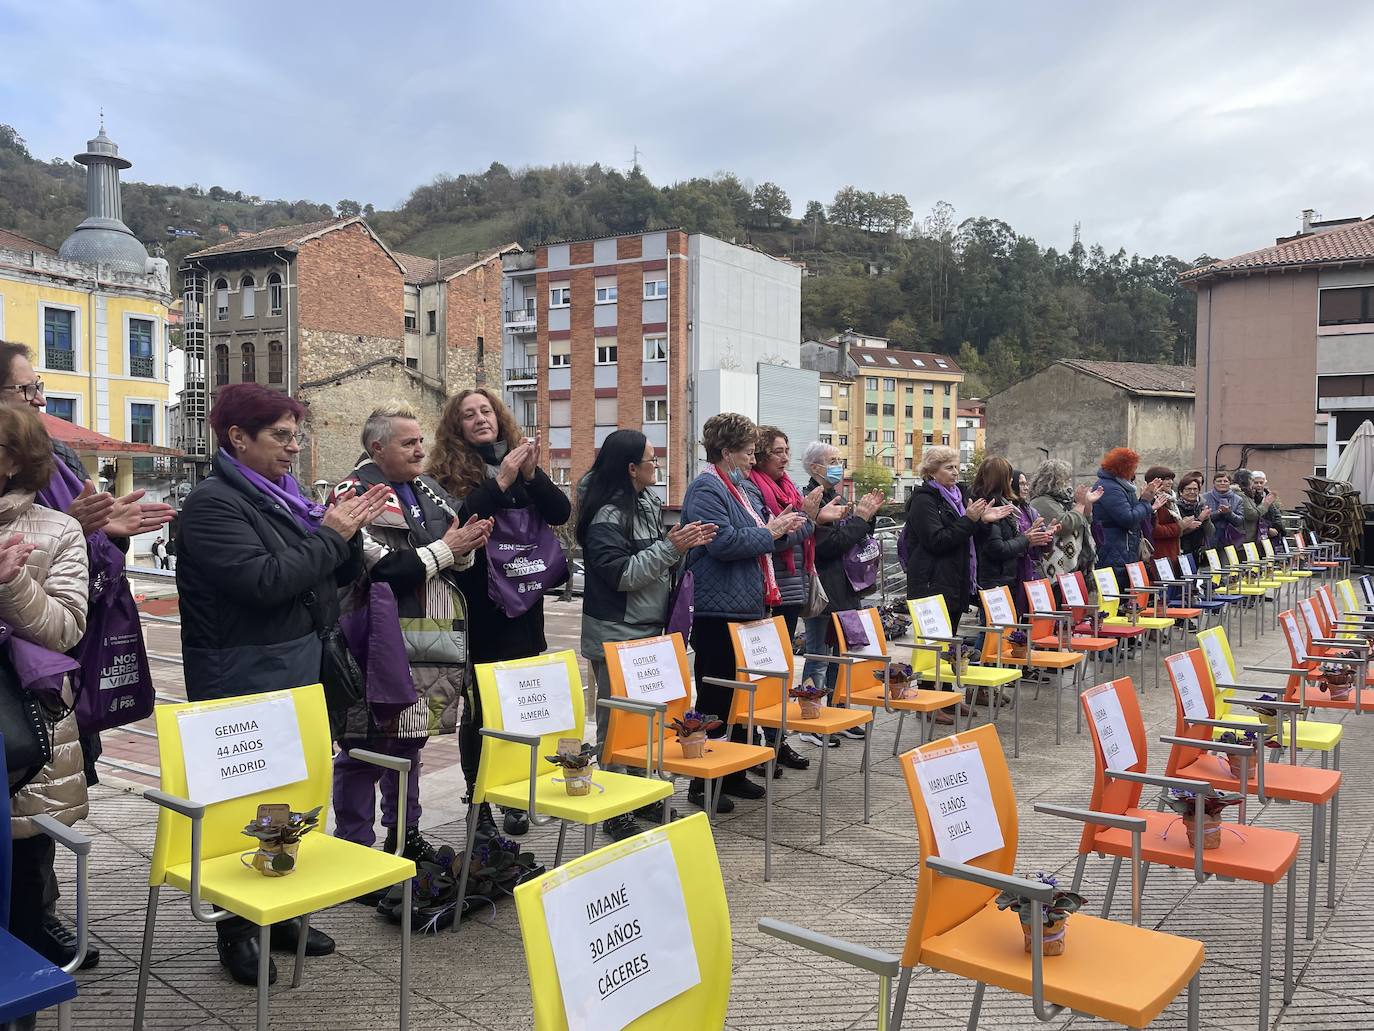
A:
[(15, 242), (280, 236), (1345, 244), (86, 441), (891, 357), (1138, 377), (419, 269)]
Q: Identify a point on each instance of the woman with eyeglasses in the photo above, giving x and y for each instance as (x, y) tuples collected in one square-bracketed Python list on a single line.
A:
[(258, 573)]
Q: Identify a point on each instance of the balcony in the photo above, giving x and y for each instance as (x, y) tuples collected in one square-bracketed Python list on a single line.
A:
[(523, 379), (142, 366), (521, 319), (60, 359)]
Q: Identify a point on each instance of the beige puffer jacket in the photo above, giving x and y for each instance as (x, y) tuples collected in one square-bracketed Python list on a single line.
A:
[(46, 603)]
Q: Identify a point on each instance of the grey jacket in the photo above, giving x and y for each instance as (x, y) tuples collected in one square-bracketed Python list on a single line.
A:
[(792, 584)]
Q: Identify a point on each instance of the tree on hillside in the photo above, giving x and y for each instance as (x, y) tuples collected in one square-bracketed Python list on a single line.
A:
[(348, 208), (771, 204)]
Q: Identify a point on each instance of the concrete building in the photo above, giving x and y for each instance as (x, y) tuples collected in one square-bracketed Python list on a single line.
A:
[(1076, 410), (94, 317), (970, 418), (1285, 352), (883, 404), (654, 331)]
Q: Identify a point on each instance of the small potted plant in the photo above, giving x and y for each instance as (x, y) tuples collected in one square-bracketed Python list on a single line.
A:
[(811, 696), (957, 655), (279, 831), (1017, 640), (900, 680), (1180, 800), (576, 762), (1232, 737), (691, 731), (1055, 914), (497, 867), (1268, 717), (1337, 680)]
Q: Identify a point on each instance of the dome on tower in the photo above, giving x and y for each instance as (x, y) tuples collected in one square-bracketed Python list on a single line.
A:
[(103, 237)]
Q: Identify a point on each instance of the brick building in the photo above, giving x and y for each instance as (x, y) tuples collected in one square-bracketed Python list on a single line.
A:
[(654, 331)]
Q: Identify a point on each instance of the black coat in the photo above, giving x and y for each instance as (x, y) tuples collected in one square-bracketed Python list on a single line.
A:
[(832, 541), (937, 549), (494, 636), (254, 589), (1000, 547)]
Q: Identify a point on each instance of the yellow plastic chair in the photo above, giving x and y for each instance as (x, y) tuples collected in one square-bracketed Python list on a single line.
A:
[(1113, 971), (932, 634), (1110, 598), (514, 772), (198, 847), (1000, 614), (701, 1007)]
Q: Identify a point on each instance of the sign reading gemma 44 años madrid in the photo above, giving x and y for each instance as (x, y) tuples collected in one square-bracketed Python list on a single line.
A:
[(651, 670), (762, 648), (954, 785), (535, 699), (236, 750), (622, 943), (1118, 750)]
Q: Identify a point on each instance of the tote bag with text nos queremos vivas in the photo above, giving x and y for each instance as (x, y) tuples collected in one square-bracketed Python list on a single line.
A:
[(524, 560)]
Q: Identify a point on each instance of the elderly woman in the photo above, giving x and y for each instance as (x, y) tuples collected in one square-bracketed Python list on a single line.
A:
[(1197, 517), (1005, 546), (1057, 500), (733, 574), (940, 523), (43, 583), (1120, 512), (482, 459), (258, 574), (1270, 511)]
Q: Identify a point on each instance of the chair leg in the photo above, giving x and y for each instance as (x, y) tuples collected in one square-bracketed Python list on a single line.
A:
[(300, 951), (406, 914), (64, 1017), (767, 822), (1016, 721), (1078, 872), (899, 1006), (868, 741), (1312, 876), (145, 960), (588, 838), (1266, 943), (562, 836), (264, 961), (467, 865), (897, 741), (1331, 857), (1058, 709), (821, 781), (1194, 1001), (1290, 911), (1111, 888), (977, 1006)]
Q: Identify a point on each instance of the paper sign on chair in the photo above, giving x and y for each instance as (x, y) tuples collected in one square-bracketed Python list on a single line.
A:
[(1110, 720), (954, 785), (535, 700), (763, 648), (651, 671), (237, 750), (1189, 687)]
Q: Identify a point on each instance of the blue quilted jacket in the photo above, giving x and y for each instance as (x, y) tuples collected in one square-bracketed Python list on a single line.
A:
[(728, 583)]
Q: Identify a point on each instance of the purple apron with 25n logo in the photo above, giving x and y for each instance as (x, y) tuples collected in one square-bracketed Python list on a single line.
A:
[(524, 559)]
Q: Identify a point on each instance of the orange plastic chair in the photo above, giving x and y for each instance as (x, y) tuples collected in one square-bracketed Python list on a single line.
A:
[(635, 733), (1307, 653), (998, 650), (1117, 972), (1074, 588), (1195, 721), (1139, 576), (1264, 856), (763, 699)]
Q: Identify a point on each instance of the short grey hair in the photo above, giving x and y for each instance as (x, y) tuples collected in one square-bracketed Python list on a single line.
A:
[(378, 428), (817, 453), (935, 456), (1053, 477), (1256, 474)]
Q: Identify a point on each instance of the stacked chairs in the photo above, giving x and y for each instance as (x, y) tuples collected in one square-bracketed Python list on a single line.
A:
[(1120, 771)]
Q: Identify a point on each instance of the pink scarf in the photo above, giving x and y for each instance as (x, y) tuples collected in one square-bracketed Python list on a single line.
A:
[(777, 495), (771, 594)]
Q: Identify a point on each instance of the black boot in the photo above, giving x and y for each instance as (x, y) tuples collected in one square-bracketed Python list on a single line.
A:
[(240, 958), (696, 794), (57, 944), (740, 786), (618, 828), (286, 935), (516, 822), (486, 825), (789, 757), (417, 849)]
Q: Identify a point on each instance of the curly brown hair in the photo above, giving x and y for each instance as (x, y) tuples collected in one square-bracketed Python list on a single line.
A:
[(727, 431), (764, 441), (452, 460), (29, 447)]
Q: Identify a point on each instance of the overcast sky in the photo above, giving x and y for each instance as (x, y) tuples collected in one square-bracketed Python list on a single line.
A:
[(1179, 128)]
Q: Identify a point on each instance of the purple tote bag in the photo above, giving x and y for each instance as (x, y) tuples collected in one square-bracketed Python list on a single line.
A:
[(373, 634), (861, 564), (524, 559), (682, 606)]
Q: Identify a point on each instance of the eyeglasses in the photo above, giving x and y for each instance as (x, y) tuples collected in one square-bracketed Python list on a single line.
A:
[(650, 460), (780, 451), (287, 437), (28, 390)]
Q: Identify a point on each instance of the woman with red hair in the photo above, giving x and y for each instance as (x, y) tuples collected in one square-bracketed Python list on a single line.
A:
[(1120, 511)]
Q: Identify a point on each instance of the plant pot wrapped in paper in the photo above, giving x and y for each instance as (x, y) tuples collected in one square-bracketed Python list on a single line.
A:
[(1233, 762), (811, 697), (900, 681), (279, 832), (1337, 680), (576, 759), (691, 732), (957, 655), (1016, 644), (1054, 915), (1181, 802)]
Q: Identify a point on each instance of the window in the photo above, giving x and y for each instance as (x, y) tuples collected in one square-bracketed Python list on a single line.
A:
[(871, 409), (844, 440), (221, 299), (656, 349), (889, 460), (908, 411), (944, 438), (560, 296), (274, 297), (141, 348), (868, 358), (827, 417), (655, 409), (248, 303), (927, 412), (63, 408), (910, 389), (561, 473), (890, 410), (481, 348), (1345, 307), (412, 363), (940, 363), (142, 422), (889, 385), (928, 438), (431, 322), (928, 388), (221, 364), (911, 438), (889, 436), (844, 390), (946, 390), (655, 289), (412, 322), (944, 414), (844, 415), (606, 290), (826, 390), (870, 382), (560, 413), (274, 362), (249, 356), (606, 411), (870, 436), (57, 339), (560, 356), (606, 353)]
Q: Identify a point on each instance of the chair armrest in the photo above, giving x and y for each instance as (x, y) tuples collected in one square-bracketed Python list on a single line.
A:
[(391, 762), (195, 812), (190, 810), (531, 742), (1340, 642), (1134, 824), (80, 846), (1155, 780), (1287, 671), (847, 659), (1220, 724), (761, 672), (1348, 660), (941, 640), (1058, 617), (631, 705), (1250, 703), (651, 711), (1034, 890), (741, 685), (1205, 745), (875, 961), (1255, 688), (402, 768)]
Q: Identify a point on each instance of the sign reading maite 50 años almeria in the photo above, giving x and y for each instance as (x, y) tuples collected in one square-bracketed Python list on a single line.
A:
[(241, 749), (535, 699)]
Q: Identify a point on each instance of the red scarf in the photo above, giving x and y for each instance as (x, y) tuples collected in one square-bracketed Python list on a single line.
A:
[(777, 495), (771, 595)]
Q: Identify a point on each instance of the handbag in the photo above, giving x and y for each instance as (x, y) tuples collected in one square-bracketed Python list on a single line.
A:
[(681, 606), (114, 684), (524, 560), (817, 601), (861, 564), (28, 737)]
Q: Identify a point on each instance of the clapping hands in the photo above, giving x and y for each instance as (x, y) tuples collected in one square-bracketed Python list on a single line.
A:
[(686, 536)]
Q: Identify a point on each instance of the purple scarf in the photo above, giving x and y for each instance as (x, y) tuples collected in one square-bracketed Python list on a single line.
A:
[(1025, 565), (956, 500), (286, 490)]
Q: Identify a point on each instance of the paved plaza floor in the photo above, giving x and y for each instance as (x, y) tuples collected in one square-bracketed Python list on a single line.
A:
[(859, 885)]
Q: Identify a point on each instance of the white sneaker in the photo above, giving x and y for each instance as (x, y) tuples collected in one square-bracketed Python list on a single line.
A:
[(816, 741)]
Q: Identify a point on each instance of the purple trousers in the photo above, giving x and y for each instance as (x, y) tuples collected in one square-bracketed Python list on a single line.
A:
[(355, 789)]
